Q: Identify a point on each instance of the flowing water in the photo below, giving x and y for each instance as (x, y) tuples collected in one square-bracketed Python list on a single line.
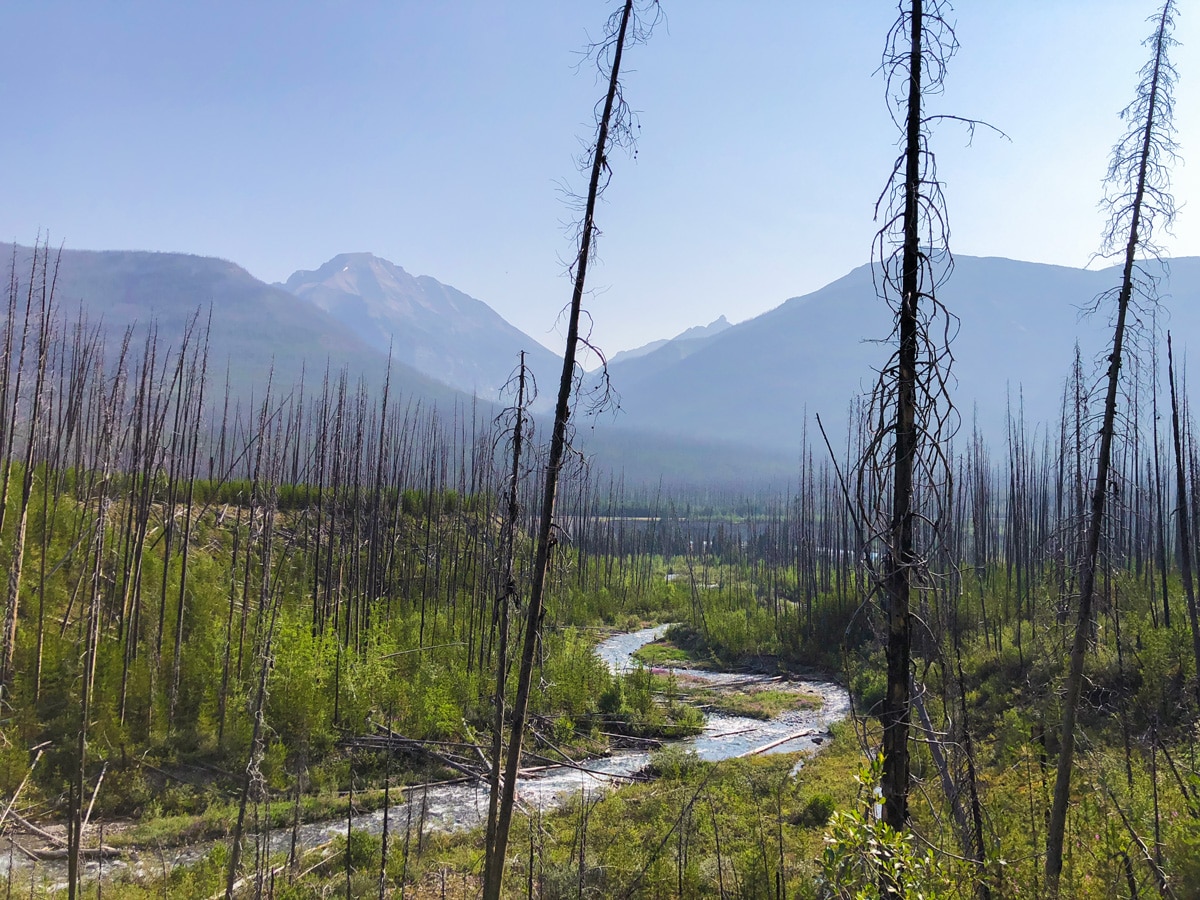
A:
[(452, 807)]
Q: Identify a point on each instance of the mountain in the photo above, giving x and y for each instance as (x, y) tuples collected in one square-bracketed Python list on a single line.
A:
[(760, 382), (727, 404), (695, 333), (430, 326), (631, 366), (257, 331)]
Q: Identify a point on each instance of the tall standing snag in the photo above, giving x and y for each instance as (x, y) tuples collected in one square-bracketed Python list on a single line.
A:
[(1139, 176), (506, 594), (909, 407), (43, 291), (613, 129), (1183, 516)]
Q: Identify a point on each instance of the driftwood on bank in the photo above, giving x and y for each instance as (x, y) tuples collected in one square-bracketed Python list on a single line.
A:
[(58, 847), (21, 786), (796, 735), (395, 743), (568, 764), (322, 850), (632, 739), (51, 853), (40, 832)]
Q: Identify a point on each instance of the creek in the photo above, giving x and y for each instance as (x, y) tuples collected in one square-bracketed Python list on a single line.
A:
[(453, 807)]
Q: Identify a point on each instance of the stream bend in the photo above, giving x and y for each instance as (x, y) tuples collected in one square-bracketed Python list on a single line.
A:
[(454, 807)]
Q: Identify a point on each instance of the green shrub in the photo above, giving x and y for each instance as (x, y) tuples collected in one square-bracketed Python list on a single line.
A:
[(362, 849), (866, 859), (816, 812), (674, 763), (686, 720), (612, 700), (869, 688)]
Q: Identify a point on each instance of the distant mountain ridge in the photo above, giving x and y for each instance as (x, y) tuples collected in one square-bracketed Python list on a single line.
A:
[(659, 356), (759, 382), (695, 333), (435, 328), (729, 402), (257, 332)]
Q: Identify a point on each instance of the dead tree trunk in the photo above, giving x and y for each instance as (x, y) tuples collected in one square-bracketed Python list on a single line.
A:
[(899, 565), (46, 293), (1137, 169), (1183, 515), (505, 595), (909, 405), (613, 126)]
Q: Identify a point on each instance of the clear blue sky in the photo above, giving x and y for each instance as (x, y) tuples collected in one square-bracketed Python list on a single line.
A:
[(439, 135)]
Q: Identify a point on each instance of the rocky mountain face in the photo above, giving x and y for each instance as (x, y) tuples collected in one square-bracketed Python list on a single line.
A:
[(255, 332), (430, 326)]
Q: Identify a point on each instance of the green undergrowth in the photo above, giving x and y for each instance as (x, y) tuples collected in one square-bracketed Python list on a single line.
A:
[(170, 729), (662, 653), (755, 703), (733, 828)]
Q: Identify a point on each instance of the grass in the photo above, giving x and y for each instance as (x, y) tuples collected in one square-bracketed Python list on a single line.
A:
[(763, 704), (666, 653), (218, 820)]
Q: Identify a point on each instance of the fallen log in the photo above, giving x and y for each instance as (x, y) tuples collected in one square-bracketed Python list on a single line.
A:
[(632, 738), (808, 732), (20, 787), (247, 880), (28, 854), (40, 832), (51, 853), (396, 743), (563, 764)]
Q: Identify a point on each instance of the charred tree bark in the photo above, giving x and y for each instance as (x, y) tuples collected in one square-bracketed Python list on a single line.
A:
[(899, 564), (1183, 515), (505, 595), (1138, 159), (46, 294), (613, 105), (904, 479)]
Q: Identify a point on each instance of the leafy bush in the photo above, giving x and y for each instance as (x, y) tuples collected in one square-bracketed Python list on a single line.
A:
[(816, 812), (612, 700), (674, 763), (865, 858), (362, 849), (869, 688), (686, 720)]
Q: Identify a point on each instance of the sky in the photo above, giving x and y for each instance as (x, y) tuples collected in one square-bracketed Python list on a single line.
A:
[(445, 137)]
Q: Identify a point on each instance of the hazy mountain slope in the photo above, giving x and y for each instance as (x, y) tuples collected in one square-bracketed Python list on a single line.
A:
[(260, 331), (1019, 323), (623, 356), (256, 329), (658, 356), (695, 333), (432, 327)]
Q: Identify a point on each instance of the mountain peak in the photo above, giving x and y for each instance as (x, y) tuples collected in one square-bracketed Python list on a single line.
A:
[(358, 273), (695, 333), (436, 328)]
